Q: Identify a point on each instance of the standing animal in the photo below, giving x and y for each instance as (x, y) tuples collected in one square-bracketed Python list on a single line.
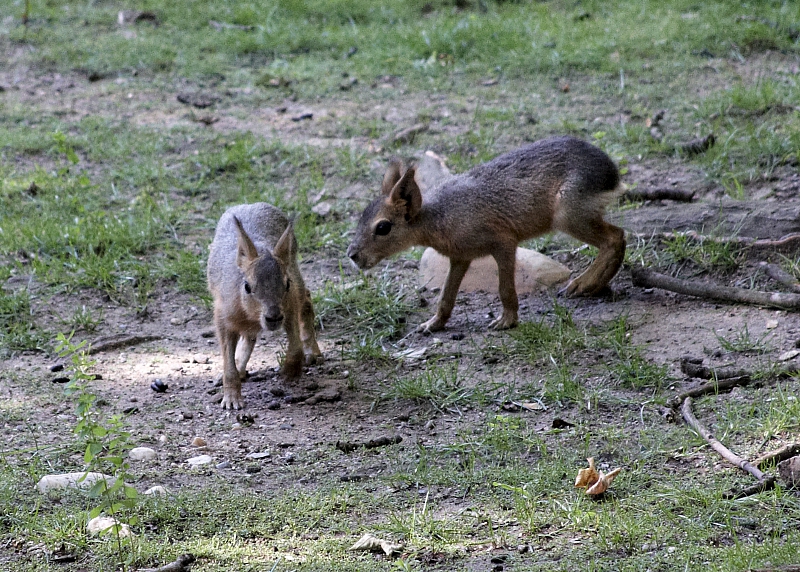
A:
[(256, 284), (558, 183)]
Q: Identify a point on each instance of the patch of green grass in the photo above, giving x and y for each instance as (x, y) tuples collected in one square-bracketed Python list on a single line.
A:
[(707, 254), (631, 368), (553, 337), (18, 331)]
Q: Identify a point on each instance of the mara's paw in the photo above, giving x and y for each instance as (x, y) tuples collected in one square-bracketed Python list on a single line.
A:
[(577, 288), (314, 357), (435, 324), (232, 399), (504, 322), (292, 367)]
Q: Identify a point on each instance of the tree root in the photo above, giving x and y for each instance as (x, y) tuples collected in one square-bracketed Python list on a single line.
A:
[(779, 275), (765, 482), (648, 279), (116, 342)]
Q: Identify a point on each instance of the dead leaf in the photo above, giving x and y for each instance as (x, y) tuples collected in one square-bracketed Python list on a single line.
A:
[(372, 543), (594, 482)]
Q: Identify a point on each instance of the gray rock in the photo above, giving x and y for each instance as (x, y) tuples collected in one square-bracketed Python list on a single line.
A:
[(70, 480)]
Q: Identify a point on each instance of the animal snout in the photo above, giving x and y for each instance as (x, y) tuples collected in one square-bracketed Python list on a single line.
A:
[(273, 320), (355, 256)]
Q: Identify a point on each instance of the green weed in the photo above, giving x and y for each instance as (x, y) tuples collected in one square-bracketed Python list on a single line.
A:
[(742, 341)]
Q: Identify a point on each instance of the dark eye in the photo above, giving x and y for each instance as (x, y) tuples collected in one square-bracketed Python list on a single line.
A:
[(247, 288), (288, 283), (384, 227)]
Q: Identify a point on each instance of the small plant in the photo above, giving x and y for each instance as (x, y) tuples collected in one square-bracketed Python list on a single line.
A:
[(707, 254), (85, 319), (555, 336), (631, 368), (17, 330), (438, 385), (105, 447)]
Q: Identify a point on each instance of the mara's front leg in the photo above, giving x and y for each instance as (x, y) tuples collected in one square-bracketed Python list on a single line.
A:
[(506, 267), (308, 336), (293, 362), (244, 350), (458, 268)]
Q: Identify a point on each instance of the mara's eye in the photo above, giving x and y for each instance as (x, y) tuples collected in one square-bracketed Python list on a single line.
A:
[(384, 227), (247, 288), (288, 283)]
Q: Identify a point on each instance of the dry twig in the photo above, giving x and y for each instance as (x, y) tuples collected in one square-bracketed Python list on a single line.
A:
[(778, 455), (781, 276), (648, 279), (181, 564), (116, 342), (709, 388), (765, 482)]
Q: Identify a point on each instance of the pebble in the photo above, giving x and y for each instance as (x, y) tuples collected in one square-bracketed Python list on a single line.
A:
[(70, 481), (277, 392), (200, 358), (285, 426), (200, 460), (162, 439), (274, 404), (198, 442), (56, 367), (289, 458), (142, 454), (99, 524), (188, 415), (252, 469), (261, 455), (224, 465), (175, 321), (157, 490), (236, 426), (159, 386), (772, 324)]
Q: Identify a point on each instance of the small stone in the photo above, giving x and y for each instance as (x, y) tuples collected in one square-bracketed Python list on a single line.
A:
[(200, 358), (159, 386), (255, 456), (277, 392), (285, 426), (198, 442), (791, 354), (187, 415), (671, 549), (457, 337), (100, 524), (142, 454), (176, 321), (130, 410), (236, 426), (224, 465), (157, 491), (56, 367), (252, 469), (200, 460), (274, 405), (288, 458), (772, 324), (162, 439), (70, 480)]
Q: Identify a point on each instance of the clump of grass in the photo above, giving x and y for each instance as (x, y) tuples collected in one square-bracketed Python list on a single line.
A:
[(743, 342), (18, 331), (440, 386), (707, 254), (368, 310), (554, 336)]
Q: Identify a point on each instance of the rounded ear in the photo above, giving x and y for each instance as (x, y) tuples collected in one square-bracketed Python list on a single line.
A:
[(246, 250), (407, 191), (392, 175), (286, 247)]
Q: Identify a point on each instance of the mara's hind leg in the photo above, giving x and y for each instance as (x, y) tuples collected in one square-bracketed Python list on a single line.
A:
[(243, 351), (458, 268), (308, 336), (590, 227)]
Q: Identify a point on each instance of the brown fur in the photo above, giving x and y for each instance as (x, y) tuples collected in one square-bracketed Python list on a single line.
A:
[(255, 249), (559, 183)]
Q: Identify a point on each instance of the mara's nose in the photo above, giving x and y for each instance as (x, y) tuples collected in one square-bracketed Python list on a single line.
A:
[(273, 320)]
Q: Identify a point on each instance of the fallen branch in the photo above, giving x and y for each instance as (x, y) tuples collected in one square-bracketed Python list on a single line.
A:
[(780, 275), (765, 482), (648, 279), (181, 564), (693, 367), (116, 342), (713, 387), (778, 455), (681, 195)]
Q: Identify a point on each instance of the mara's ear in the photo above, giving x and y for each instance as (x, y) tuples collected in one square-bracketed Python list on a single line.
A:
[(246, 250), (407, 191), (286, 246), (392, 176)]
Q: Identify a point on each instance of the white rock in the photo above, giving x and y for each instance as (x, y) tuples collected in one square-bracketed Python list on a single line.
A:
[(70, 481), (200, 460), (261, 455), (534, 271), (157, 490), (142, 454), (791, 354), (99, 524)]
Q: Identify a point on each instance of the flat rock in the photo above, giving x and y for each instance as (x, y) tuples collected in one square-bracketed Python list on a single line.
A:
[(200, 460), (789, 470), (157, 490), (534, 272), (100, 524), (70, 481), (142, 454)]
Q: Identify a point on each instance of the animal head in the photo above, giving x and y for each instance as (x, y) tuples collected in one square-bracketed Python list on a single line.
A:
[(265, 280), (385, 225)]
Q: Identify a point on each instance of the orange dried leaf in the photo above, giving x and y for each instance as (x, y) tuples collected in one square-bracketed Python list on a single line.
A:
[(587, 477), (603, 483)]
